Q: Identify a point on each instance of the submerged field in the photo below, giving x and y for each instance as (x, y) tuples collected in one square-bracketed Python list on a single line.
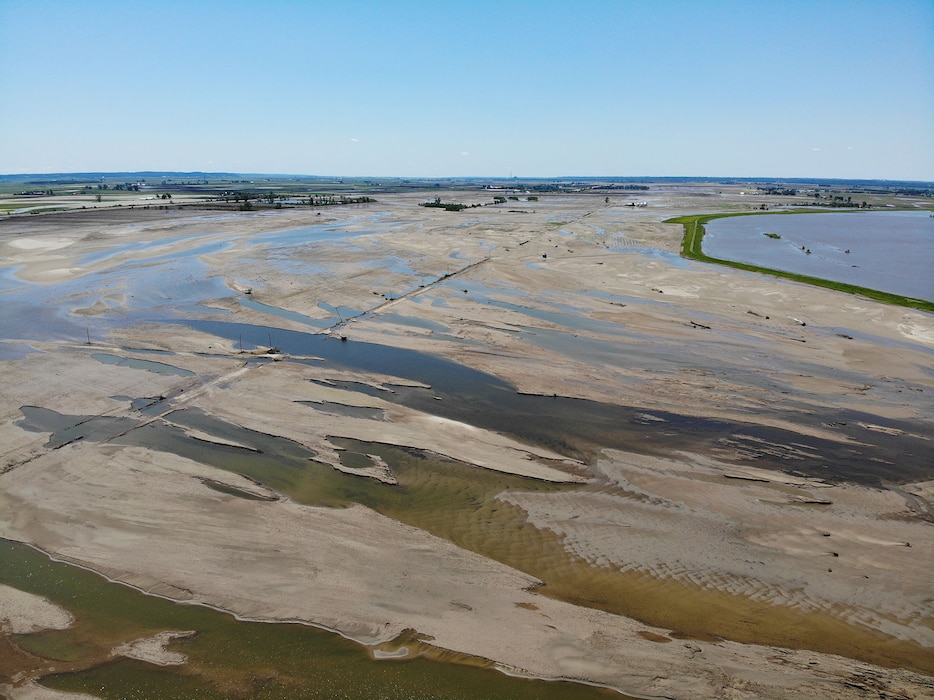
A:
[(391, 447)]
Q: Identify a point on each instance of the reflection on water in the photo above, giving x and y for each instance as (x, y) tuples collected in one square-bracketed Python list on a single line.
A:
[(576, 427), (169, 278), (362, 224), (339, 409), (92, 304), (381, 359), (148, 365), (66, 429), (249, 303), (14, 351), (126, 249), (889, 251)]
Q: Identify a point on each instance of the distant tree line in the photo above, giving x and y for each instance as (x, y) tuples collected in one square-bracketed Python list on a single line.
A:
[(579, 187), (35, 193), (323, 200), (838, 201), (311, 200), (436, 203), (913, 192), (126, 187)]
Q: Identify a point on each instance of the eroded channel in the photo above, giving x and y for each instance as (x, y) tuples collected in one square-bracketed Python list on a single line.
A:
[(578, 428)]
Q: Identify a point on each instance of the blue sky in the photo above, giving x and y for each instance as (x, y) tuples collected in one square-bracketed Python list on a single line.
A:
[(440, 89)]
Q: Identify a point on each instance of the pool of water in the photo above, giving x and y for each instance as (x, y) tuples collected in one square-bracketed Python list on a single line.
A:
[(118, 248), (384, 359), (90, 305), (164, 283), (888, 251), (248, 303), (135, 363)]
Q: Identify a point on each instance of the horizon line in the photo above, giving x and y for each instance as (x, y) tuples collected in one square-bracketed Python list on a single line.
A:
[(709, 178)]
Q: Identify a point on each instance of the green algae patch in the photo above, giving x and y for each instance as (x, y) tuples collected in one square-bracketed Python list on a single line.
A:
[(459, 503), (228, 658)]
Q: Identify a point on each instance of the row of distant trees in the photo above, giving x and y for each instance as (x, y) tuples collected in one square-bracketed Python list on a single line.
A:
[(326, 200), (436, 203), (311, 200), (126, 186), (823, 200), (839, 201)]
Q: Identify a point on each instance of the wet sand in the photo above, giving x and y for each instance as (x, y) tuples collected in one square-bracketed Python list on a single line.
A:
[(569, 298)]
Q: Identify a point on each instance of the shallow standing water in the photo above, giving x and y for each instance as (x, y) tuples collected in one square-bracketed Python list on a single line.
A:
[(564, 424), (228, 658), (888, 251)]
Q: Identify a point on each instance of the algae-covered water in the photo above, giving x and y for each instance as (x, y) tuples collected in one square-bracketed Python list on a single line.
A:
[(228, 658), (461, 504)]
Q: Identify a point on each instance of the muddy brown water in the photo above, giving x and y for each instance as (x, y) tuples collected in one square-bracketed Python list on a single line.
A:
[(578, 428)]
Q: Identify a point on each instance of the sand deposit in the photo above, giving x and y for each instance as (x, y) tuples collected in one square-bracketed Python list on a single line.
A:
[(569, 299), (153, 650), (22, 613)]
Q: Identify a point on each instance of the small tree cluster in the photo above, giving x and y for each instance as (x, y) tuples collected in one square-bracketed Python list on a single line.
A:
[(322, 200), (447, 206)]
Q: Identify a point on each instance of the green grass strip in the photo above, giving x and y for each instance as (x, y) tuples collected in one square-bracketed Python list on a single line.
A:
[(692, 242)]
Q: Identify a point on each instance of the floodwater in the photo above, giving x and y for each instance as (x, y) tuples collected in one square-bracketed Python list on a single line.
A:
[(450, 499), (438, 496), (888, 251), (227, 656), (135, 363), (576, 427), (88, 306), (171, 280)]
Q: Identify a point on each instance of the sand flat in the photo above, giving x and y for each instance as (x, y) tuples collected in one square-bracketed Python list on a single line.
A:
[(544, 301)]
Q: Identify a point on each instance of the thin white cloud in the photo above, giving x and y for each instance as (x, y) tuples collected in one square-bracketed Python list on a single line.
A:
[(465, 153)]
